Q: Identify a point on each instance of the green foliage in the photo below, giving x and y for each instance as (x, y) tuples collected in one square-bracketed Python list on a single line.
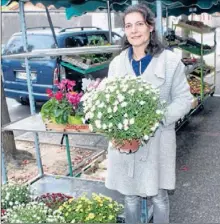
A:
[(57, 111)]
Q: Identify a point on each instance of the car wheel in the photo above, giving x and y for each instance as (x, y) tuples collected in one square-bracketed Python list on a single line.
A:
[(23, 102)]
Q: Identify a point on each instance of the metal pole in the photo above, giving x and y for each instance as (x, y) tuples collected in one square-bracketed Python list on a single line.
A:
[(51, 26), (167, 18), (215, 55), (134, 2), (4, 171), (109, 21), (159, 25), (68, 156), (202, 71), (29, 84)]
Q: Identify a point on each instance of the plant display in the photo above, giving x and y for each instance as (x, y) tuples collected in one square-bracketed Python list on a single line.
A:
[(14, 194), (98, 209), (123, 108), (53, 200), (32, 212), (96, 58), (64, 104)]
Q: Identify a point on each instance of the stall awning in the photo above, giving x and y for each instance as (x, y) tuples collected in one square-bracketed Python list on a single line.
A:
[(174, 7)]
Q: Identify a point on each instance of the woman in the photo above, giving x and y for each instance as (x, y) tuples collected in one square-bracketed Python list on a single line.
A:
[(151, 170)]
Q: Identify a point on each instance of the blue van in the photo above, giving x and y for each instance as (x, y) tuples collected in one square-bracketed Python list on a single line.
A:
[(46, 72)]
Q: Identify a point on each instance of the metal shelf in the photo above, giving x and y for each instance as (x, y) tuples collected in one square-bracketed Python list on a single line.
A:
[(194, 28), (66, 51), (84, 71), (191, 52), (35, 123)]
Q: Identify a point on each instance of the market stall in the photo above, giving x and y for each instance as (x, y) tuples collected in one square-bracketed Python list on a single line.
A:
[(44, 182)]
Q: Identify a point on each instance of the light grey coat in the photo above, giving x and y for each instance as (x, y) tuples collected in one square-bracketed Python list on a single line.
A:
[(152, 167)]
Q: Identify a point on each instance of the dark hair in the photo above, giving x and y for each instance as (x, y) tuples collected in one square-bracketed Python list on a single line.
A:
[(154, 47)]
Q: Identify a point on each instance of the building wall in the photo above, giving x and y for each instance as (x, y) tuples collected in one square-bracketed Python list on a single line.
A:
[(11, 23)]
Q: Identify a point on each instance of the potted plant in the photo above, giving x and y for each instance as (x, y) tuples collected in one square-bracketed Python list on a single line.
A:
[(64, 107), (97, 209), (33, 212), (125, 109)]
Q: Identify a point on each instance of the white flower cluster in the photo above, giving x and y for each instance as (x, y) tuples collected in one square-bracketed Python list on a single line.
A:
[(33, 212), (13, 194), (124, 106)]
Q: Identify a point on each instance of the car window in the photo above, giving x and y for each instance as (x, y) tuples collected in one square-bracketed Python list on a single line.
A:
[(76, 41), (85, 40), (116, 39), (35, 42)]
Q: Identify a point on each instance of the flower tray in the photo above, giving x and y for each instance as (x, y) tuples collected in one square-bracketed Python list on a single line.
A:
[(79, 63), (67, 127)]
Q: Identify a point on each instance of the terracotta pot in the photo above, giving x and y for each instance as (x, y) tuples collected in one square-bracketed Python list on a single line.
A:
[(127, 146)]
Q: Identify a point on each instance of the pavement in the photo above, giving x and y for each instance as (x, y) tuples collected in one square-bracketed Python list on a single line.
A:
[(197, 195)]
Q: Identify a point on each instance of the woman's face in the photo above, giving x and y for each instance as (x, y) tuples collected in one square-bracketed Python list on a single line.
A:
[(137, 30)]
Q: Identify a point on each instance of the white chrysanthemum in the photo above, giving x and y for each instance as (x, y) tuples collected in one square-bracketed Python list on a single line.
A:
[(87, 115), (99, 115), (159, 112), (90, 127), (104, 126), (131, 121), (91, 115), (115, 109), (120, 126), (146, 137), (101, 105), (120, 98), (98, 123), (97, 102), (124, 104), (126, 122), (110, 125), (142, 102), (109, 110), (125, 127), (126, 115), (154, 98), (115, 103), (107, 96)]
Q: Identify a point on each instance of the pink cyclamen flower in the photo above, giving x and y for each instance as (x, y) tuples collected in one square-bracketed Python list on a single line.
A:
[(49, 92), (74, 98), (59, 95)]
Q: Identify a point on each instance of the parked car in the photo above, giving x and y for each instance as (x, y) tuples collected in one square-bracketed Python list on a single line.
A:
[(46, 72)]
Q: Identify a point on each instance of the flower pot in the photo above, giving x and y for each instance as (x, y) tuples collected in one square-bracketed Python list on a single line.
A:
[(127, 146), (75, 120)]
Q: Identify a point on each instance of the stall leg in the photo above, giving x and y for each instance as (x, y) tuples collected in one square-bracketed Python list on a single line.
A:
[(69, 156), (29, 84), (4, 171)]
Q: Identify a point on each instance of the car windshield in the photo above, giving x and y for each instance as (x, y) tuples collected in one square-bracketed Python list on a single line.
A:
[(35, 42)]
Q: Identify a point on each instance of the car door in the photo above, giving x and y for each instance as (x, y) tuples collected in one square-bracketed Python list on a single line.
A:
[(42, 69)]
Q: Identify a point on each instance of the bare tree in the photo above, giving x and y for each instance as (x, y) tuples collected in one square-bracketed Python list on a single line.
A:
[(8, 142)]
